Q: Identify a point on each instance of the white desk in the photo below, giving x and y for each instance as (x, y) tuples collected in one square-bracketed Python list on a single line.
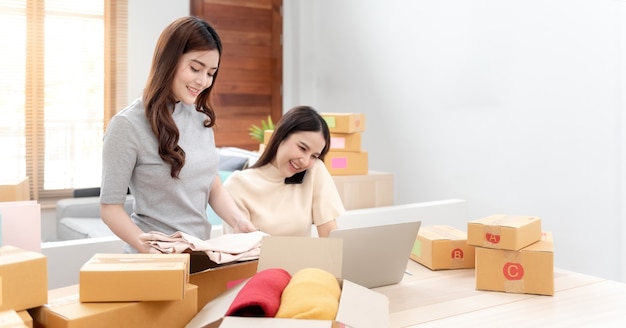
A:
[(449, 299)]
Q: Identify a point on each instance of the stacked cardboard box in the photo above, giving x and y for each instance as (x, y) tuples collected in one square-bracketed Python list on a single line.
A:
[(374, 189), (346, 156), (512, 254), (348, 163), (14, 190), (23, 283), (124, 290), (65, 309), (442, 247), (134, 277)]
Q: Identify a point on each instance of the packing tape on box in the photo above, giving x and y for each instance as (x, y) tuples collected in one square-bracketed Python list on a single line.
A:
[(444, 231), (457, 245), (457, 260), (491, 234), (70, 299), (513, 272), (163, 261)]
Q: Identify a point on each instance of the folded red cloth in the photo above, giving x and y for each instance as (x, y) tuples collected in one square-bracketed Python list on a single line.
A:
[(260, 296)]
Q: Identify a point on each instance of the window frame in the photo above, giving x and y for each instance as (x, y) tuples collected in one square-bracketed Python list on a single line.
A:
[(115, 85)]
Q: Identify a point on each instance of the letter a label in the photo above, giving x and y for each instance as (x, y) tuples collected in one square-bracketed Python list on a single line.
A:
[(492, 238)]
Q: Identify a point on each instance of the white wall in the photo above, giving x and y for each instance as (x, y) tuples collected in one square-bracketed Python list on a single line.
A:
[(147, 19), (514, 106)]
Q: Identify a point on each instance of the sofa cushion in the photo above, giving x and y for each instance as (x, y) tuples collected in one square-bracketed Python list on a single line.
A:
[(79, 228), (232, 163)]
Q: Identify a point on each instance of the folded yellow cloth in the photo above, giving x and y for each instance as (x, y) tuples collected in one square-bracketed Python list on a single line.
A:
[(311, 294)]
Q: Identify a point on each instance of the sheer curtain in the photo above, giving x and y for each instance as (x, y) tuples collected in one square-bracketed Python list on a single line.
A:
[(63, 76)]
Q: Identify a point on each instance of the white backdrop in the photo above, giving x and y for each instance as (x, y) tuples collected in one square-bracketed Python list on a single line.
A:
[(513, 105)]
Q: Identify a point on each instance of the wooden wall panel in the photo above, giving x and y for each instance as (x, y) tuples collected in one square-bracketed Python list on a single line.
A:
[(249, 84)]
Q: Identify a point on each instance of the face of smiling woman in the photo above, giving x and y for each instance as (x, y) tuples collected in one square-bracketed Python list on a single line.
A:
[(298, 152), (194, 73)]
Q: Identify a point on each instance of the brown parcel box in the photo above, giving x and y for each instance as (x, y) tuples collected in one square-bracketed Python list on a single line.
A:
[(213, 279), (267, 135), (134, 277), (442, 247), (346, 162), (358, 307), (66, 311), (374, 189), (11, 319), (504, 231), (345, 141), (338, 141), (527, 271), (24, 278), (14, 190), (344, 122)]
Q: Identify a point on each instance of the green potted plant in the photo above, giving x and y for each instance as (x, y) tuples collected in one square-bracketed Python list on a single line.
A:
[(258, 133)]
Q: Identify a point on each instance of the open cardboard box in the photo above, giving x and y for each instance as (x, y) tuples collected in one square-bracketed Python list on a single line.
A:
[(358, 306), (213, 279)]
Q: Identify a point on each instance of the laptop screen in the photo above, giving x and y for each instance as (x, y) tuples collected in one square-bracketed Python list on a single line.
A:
[(377, 255)]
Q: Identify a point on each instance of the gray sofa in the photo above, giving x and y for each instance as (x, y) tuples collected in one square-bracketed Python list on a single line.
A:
[(79, 218)]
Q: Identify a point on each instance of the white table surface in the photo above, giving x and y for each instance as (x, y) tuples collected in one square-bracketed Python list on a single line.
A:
[(448, 298)]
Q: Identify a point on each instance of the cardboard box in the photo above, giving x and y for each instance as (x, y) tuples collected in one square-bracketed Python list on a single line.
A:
[(65, 311), (10, 319), (504, 231), (527, 271), (345, 141), (21, 224), (344, 122), (212, 280), (373, 189), (346, 162), (338, 141), (442, 247), (14, 190), (267, 134), (134, 277), (24, 278), (358, 307)]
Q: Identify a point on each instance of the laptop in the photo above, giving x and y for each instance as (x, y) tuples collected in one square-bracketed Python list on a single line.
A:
[(377, 255)]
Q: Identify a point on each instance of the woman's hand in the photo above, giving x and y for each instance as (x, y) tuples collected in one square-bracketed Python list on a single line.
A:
[(244, 225)]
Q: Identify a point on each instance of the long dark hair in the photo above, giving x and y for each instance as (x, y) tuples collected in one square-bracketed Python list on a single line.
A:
[(300, 118), (181, 36)]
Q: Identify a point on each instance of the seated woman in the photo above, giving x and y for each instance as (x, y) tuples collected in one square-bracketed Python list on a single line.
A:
[(289, 188)]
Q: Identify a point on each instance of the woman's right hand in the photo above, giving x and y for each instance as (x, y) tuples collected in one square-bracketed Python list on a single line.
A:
[(244, 225)]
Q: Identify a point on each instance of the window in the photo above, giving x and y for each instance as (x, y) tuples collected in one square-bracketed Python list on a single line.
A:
[(63, 76)]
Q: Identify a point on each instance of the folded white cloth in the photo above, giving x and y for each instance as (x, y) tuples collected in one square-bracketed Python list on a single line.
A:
[(223, 249)]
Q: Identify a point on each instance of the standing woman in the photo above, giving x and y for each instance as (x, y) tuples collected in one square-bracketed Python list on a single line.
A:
[(162, 145), (288, 188)]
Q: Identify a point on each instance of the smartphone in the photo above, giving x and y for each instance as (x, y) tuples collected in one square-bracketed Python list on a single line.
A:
[(296, 178)]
